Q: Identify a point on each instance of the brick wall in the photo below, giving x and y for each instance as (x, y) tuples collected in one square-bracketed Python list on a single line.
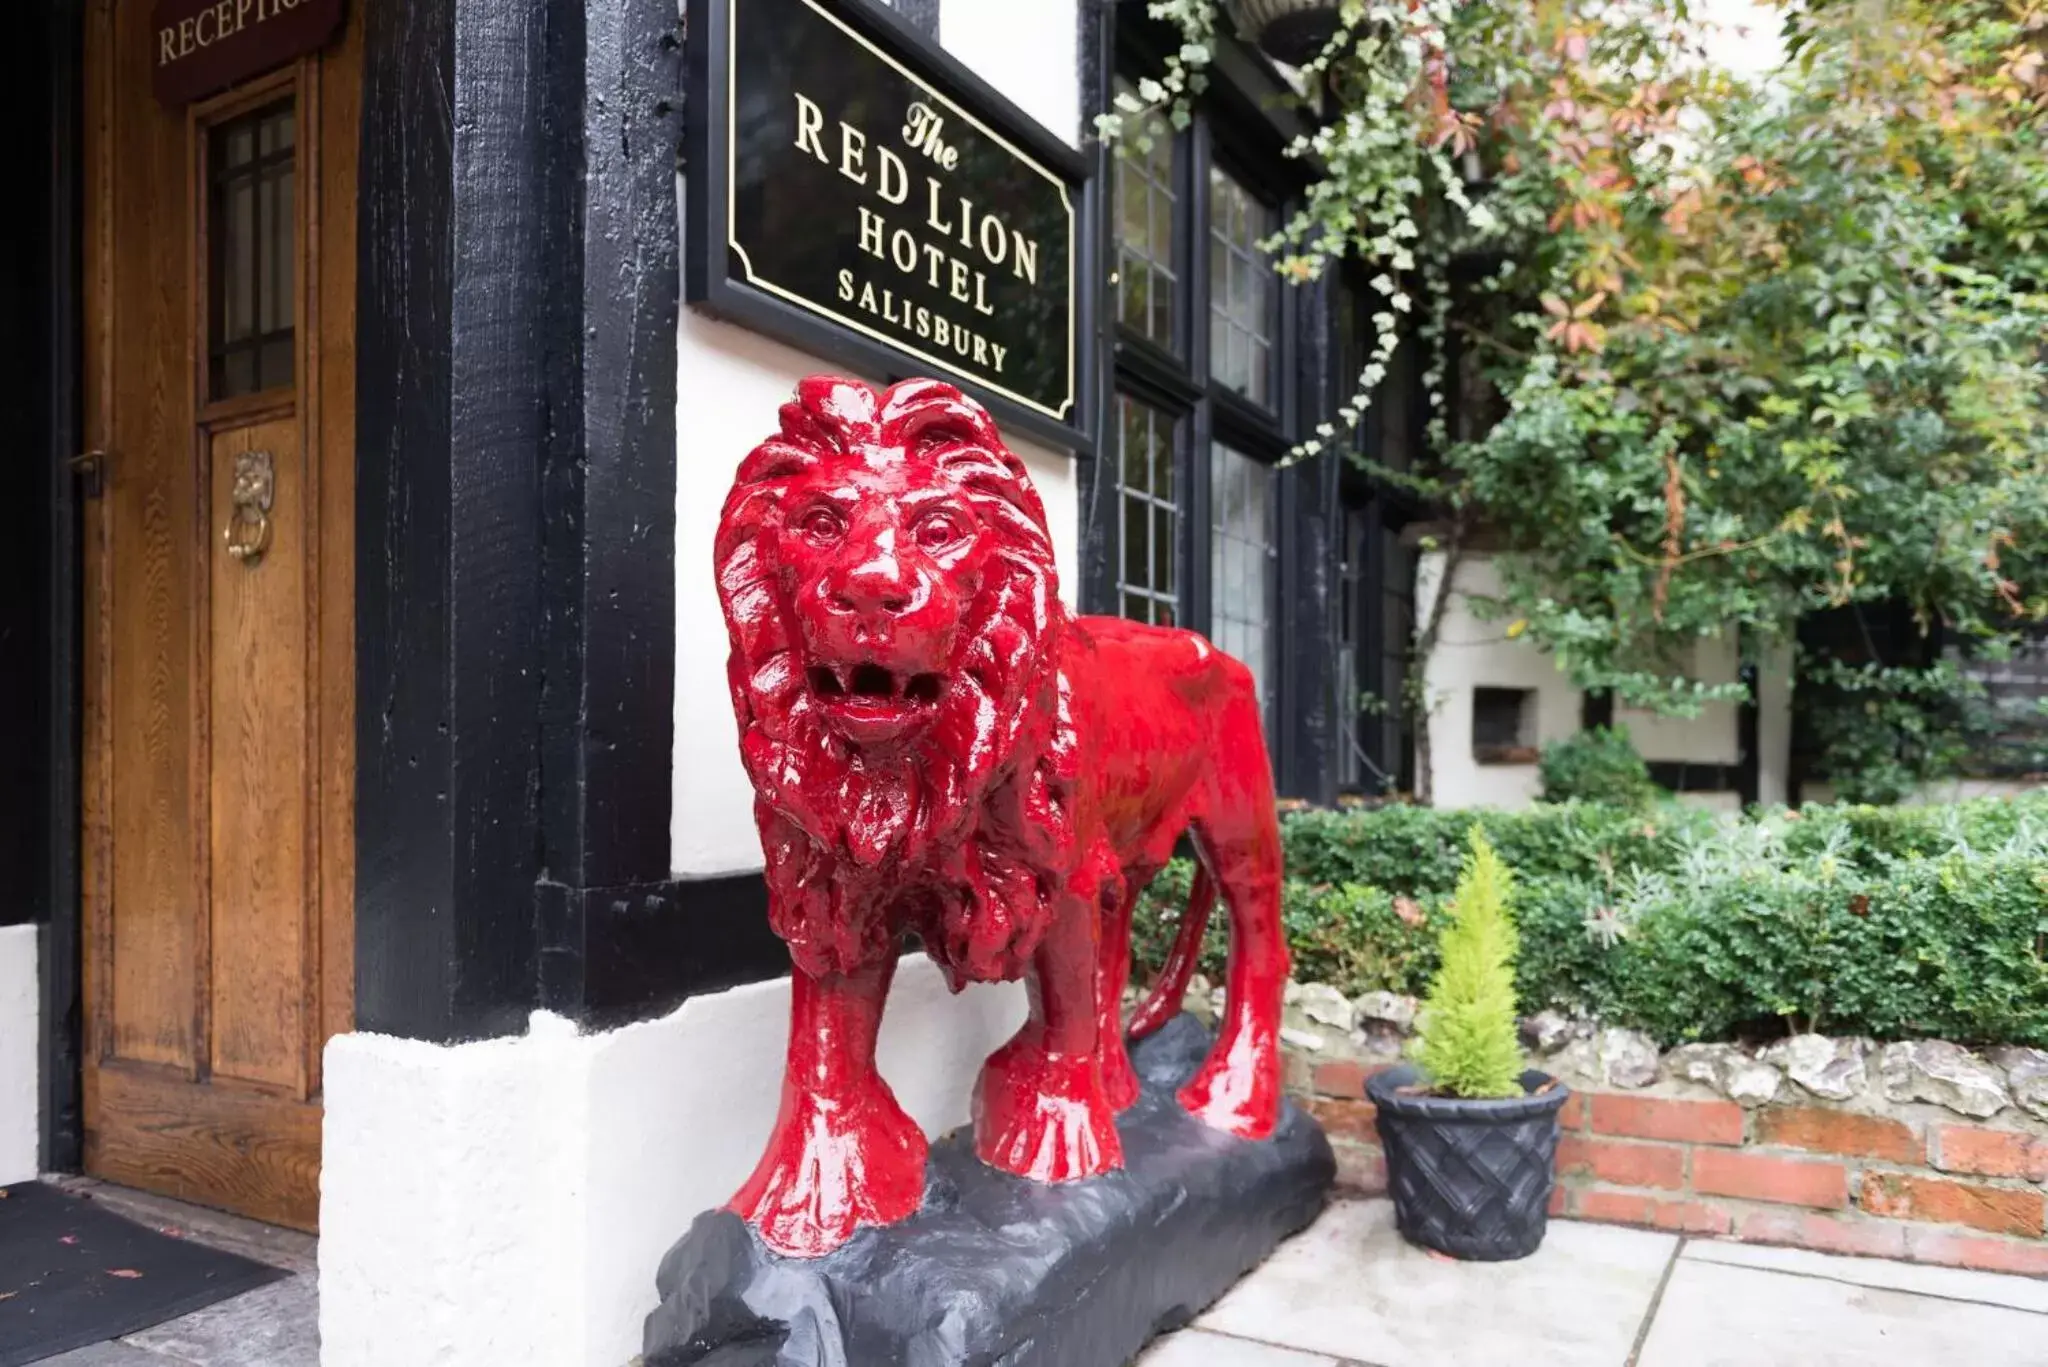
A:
[(1931, 1188)]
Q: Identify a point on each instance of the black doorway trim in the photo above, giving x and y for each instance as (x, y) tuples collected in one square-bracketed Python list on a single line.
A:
[(53, 252), (518, 288)]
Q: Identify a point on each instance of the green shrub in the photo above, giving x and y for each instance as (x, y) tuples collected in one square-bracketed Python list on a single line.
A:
[(1950, 948), (1600, 765), (1357, 939), (1891, 922), (1862, 834), (1419, 850), (1468, 1045)]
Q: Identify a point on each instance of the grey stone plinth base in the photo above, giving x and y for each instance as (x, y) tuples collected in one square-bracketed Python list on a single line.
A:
[(997, 1271)]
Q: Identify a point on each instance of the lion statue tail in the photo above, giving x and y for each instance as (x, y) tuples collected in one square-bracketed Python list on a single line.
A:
[(1163, 1004)]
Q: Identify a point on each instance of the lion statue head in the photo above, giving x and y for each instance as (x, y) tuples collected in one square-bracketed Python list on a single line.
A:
[(888, 583)]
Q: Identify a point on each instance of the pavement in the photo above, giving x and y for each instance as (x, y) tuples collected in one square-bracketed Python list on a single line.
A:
[(1349, 1292), (273, 1326)]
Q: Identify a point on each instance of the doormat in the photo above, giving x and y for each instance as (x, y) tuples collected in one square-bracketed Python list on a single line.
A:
[(73, 1274)]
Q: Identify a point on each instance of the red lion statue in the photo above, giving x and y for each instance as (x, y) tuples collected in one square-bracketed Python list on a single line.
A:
[(939, 748)]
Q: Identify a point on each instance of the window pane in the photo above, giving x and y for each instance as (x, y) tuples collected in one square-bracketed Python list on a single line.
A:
[(251, 196), (1244, 293), (1145, 209), (1149, 525), (1243, 563)]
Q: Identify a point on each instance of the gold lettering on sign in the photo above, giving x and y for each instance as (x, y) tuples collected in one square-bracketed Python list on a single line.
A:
[(961, 238), (219, 22)]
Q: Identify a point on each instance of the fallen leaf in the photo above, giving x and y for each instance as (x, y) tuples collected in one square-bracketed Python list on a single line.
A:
[(8, 1295), (124, 1273), (67, 1238)]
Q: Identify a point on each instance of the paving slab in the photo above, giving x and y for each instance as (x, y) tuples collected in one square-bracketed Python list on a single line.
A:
[(1193, 1348), (1950, 1283), (273, 1326), (1716, 1315), (1351, 1288)]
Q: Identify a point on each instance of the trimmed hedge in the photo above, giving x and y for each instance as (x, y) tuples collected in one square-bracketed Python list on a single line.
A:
[(1889, 922)]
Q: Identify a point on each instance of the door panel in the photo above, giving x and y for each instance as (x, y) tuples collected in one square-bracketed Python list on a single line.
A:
[(258, 760), (219, 582)]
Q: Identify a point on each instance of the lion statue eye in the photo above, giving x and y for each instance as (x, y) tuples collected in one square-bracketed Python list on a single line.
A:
[(821, 524), (936, 531)]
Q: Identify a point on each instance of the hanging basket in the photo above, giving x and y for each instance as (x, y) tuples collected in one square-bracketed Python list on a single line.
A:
[(1290, 31), (1469, 1178)]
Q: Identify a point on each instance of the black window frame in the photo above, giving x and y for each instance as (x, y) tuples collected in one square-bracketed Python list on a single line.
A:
[(1384, 618), (1241, 125)]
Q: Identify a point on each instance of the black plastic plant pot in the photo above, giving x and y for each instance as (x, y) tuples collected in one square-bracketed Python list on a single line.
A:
[(1469, 1178)]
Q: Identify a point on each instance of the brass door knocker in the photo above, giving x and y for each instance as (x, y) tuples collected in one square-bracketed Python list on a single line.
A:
[(248, 530)]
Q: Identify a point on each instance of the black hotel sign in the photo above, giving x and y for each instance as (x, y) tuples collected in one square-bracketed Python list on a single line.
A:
[(860, 194)]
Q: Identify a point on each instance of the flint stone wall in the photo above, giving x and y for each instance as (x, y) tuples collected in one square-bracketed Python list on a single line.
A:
[(1920, 1150)]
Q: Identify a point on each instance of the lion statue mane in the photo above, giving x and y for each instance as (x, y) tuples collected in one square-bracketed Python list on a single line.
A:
[(958, 840)]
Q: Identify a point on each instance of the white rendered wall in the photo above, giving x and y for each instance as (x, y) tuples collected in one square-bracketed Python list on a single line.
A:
[(1774, 723), (1471, 654), (1709, 738), (1027, 49), (20, 1046), (507, 1202)]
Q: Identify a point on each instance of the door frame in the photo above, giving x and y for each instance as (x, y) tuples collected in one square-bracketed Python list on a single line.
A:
[(60, 1072)]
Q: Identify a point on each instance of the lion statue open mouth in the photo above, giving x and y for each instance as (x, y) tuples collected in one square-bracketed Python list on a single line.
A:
[(939, 748)]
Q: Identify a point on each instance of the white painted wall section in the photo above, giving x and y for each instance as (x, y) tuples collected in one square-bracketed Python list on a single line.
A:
[(1027, 49), (20, 1054), (1473, 654), (1711, 737), (507, 1202), (1774, 723)]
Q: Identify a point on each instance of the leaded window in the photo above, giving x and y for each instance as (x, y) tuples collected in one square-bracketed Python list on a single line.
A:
[(1244, 291), (1146, 204), (252, 166), (1149, 526), (1243, 562)]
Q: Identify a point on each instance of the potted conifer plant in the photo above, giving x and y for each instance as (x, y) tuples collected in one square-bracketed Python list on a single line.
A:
[(1470, 1135)]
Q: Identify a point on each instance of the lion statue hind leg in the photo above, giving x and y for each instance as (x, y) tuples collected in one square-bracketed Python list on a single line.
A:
[(1238, 1087)]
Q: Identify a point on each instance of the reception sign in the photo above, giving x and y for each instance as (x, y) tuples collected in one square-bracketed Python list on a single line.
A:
[(202, 46)]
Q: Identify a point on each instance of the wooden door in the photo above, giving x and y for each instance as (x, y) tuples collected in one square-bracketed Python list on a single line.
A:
[(220, 592)]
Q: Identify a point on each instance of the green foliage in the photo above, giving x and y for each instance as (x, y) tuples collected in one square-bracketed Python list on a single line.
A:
[(1753, 347), (1947, 948), (1468, 1045), (1884, 732), (1599, 765), (1884, 921), (1355, 937), (1419, 850)]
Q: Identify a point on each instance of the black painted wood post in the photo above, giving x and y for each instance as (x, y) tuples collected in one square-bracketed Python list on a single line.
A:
[(516, 499)]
